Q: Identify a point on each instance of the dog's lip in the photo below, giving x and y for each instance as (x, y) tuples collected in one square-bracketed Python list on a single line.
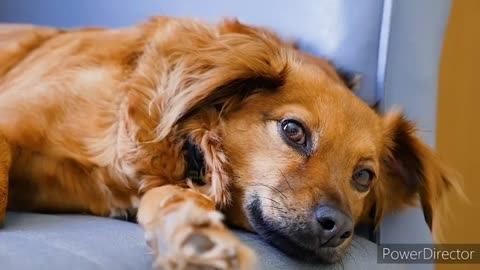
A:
[(283, 242), (293, 249)]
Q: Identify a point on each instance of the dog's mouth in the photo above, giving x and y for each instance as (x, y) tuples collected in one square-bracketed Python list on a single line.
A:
[(299, 245)]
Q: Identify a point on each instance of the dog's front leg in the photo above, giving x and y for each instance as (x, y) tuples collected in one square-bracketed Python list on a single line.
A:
[(5, 162), (186, 232)]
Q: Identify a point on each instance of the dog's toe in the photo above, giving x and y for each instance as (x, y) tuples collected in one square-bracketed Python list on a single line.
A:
[(198, 240), (214, 248)]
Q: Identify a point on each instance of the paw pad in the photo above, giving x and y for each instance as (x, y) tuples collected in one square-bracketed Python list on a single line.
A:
[(198, 243)]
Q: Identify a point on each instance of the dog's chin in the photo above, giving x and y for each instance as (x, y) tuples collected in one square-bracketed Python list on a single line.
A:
[(291, 245), (328, 255)]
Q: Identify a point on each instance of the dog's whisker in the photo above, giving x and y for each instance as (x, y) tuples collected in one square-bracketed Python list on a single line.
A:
[(286, 180), (287, 207), (271, 188), (284, 206), (277, 208), (270, 199)]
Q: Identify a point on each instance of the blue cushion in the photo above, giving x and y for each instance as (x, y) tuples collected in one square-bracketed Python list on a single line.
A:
[(59, 242), (36, 241)]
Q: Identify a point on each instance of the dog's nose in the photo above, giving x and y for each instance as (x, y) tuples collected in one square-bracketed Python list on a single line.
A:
[(335, 225)]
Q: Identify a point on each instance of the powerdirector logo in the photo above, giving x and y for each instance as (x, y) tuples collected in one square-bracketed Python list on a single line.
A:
[(428, 253)]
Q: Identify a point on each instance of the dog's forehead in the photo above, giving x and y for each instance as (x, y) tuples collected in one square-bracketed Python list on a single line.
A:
[(331, 107), (321, 90)]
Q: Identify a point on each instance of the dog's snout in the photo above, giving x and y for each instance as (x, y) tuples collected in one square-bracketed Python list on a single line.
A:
[(335, 226)]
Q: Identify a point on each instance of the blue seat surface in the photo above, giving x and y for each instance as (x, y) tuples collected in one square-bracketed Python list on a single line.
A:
[(59, 242)]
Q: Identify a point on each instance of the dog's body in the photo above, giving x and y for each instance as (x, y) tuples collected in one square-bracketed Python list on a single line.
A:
[(96, 121)]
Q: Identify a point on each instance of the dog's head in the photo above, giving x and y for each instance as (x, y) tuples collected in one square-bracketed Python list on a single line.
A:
[(291, 152)]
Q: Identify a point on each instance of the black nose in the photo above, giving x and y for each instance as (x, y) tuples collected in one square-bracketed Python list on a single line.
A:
[(335, 225)]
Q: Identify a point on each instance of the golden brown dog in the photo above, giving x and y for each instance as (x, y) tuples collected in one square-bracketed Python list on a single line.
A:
[(100, 121)]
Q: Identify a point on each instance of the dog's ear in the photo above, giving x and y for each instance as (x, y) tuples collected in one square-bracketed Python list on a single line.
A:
[(211, 68), (211, 72), (410, 170), (350, 79)]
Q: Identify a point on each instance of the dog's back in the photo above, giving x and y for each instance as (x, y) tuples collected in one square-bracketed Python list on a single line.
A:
[(55, 82), (65, 105), (18, 41)]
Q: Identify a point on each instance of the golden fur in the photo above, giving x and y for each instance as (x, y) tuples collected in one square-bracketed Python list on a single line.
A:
[(95, 121)]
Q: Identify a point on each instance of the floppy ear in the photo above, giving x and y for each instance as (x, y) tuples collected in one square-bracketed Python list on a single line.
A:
[(204, 134), (211, 67), (212, 70), (410, 171)]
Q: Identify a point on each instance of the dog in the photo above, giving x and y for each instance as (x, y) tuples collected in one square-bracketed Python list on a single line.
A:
[(180, 123)]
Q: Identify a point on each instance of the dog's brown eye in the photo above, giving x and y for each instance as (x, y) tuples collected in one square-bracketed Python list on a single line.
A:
[(294, 131), (362, 179)]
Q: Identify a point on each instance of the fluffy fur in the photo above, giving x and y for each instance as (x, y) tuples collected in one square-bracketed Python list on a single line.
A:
[(95, 120)]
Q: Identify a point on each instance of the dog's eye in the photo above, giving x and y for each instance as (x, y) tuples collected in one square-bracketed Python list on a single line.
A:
[(294, 131), (362, 179)]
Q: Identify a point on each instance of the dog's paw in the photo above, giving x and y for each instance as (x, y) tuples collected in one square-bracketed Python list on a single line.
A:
[(195, 238), (211, 249)]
